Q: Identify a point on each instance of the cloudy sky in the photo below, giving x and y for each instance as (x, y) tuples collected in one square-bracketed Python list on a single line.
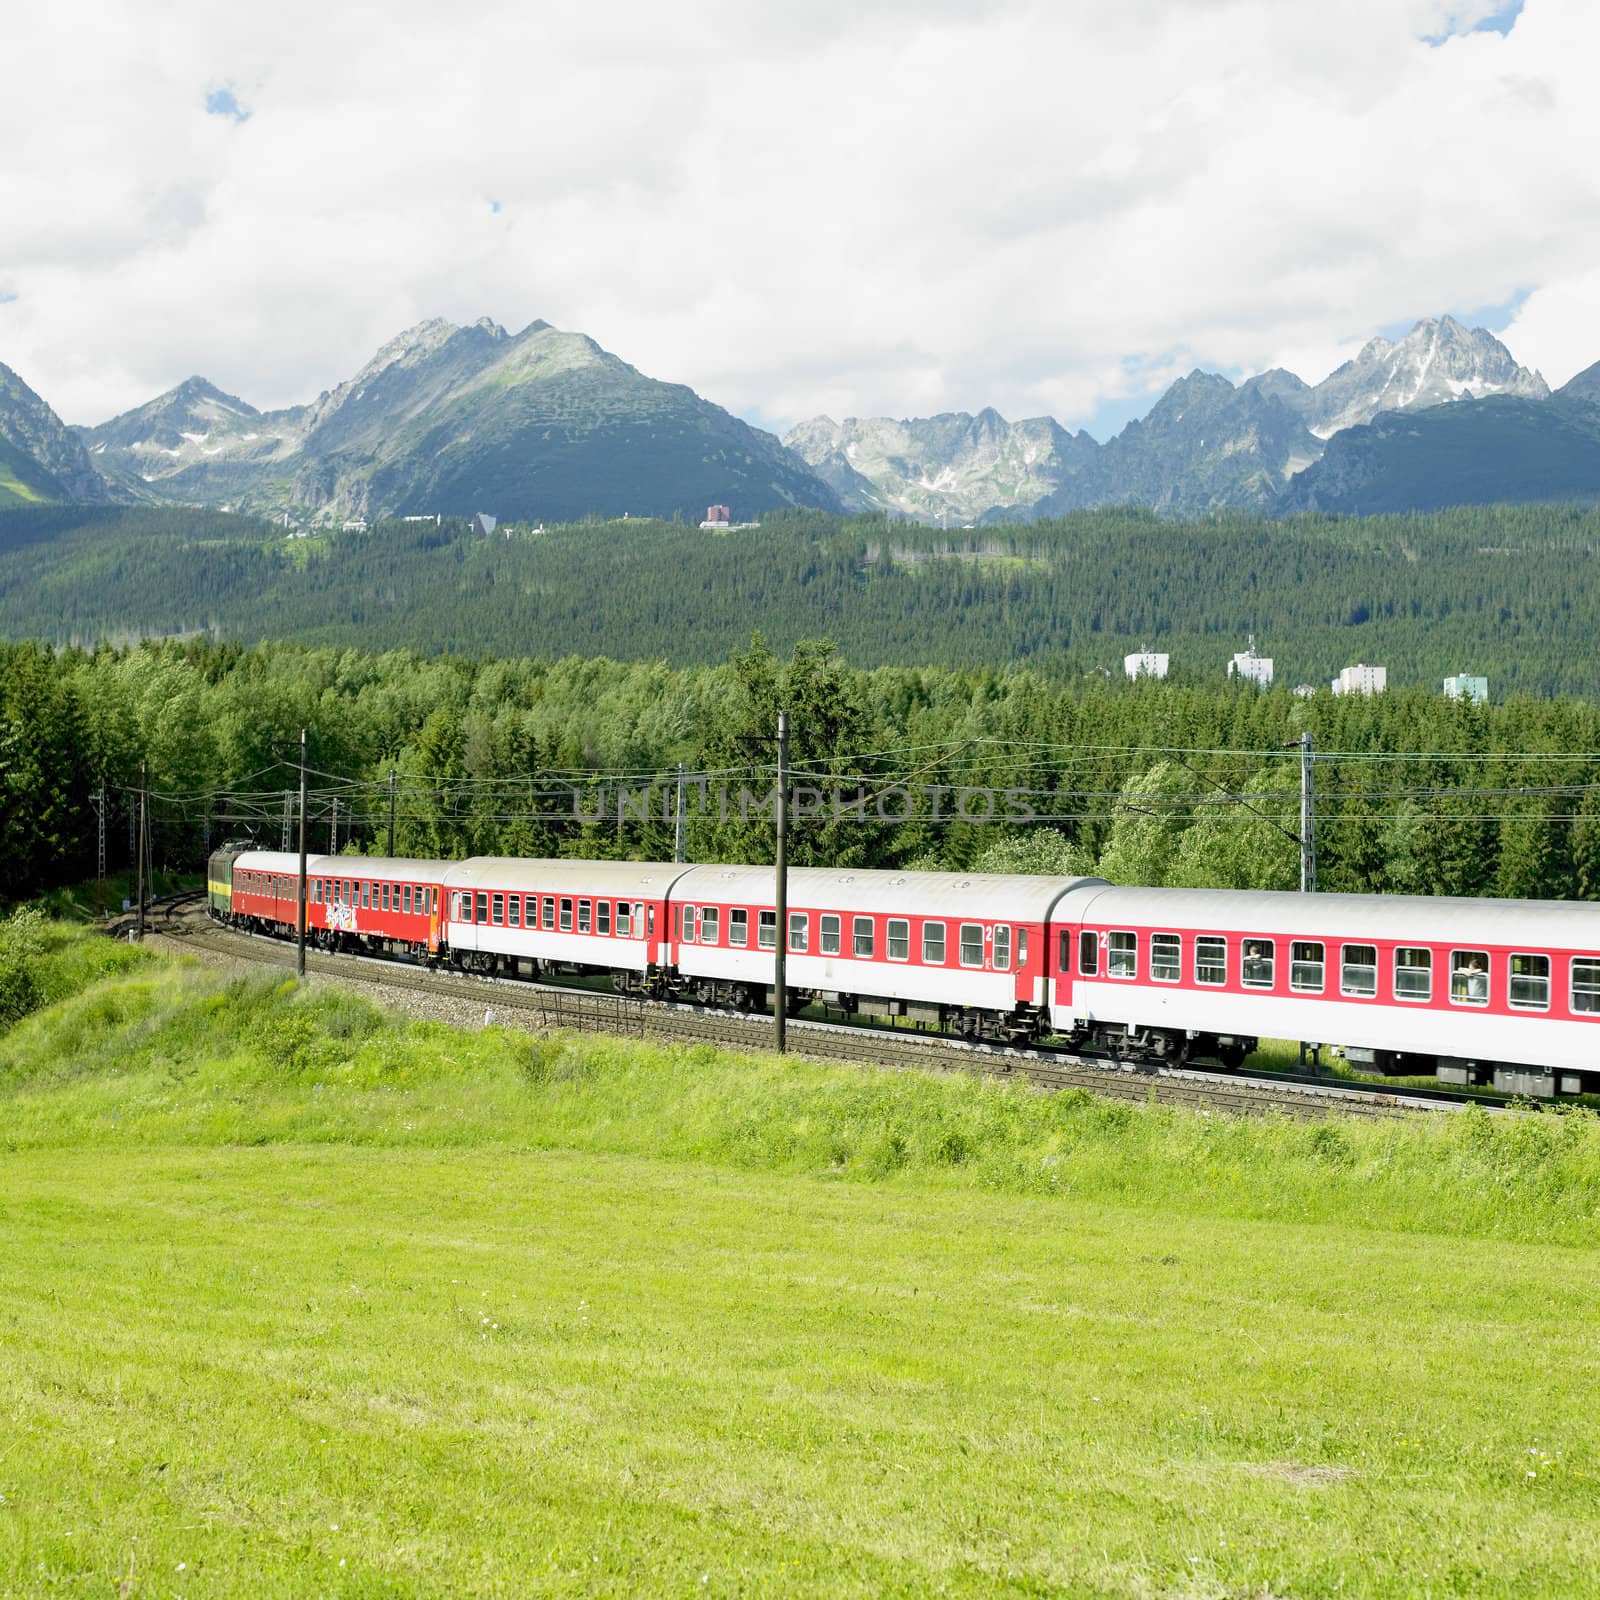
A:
[(851, 206)]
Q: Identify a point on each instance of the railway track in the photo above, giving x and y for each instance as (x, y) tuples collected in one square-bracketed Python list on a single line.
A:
[(182, 920)]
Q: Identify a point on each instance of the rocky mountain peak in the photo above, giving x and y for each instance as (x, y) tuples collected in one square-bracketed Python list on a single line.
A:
[(40, 457), (1439, 360), (956, 465), (1584, 386)]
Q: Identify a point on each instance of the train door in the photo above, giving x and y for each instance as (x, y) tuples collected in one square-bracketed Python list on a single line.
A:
[(1059, 946)]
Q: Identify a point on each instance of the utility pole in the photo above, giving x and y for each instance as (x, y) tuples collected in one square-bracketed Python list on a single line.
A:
[(333, 829), (679, 839), (300, 917), (780, 950), (143, 836), (391, 811), (1308, 818), (288, 815), (100, 832)]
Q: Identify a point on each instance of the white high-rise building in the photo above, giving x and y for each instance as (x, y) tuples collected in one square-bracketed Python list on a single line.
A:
[(1361, 679), (1464, 686), (1253, 668), (1145, 664)]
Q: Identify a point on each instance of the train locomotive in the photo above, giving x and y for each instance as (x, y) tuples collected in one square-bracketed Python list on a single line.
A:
[(1498, 992)]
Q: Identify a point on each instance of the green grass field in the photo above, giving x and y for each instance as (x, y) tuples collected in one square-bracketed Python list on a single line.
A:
[(298, 1299)]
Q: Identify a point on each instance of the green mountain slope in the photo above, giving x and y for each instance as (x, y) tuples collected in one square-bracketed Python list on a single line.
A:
[(1499, 450), (543, 425), (1513, 592), (40, 458)]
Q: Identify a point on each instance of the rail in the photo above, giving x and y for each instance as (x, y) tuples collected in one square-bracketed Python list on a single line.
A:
[(546, 1007)]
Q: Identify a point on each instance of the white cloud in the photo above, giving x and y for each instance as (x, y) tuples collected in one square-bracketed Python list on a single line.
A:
[(902, 207)]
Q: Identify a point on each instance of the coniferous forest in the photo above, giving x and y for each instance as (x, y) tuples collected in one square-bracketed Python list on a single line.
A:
[(1509, 592), (987, 769)]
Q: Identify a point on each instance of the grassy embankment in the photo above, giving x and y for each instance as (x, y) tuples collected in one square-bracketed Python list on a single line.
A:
[(301, 1299)]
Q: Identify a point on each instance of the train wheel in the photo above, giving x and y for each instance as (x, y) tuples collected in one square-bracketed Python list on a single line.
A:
[(1231, 1056)]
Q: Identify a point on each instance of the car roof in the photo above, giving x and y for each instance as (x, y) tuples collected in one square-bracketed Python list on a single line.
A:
[(624, 879), (1013, 897), (1427, 919)]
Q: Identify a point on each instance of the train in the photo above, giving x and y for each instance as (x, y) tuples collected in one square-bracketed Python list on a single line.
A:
[(1504, 993)]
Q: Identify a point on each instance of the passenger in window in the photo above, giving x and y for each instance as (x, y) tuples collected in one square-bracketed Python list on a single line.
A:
[(1258, 963), (1477, 980)]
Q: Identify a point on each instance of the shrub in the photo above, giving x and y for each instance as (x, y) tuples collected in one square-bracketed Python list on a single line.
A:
[(21, 944)]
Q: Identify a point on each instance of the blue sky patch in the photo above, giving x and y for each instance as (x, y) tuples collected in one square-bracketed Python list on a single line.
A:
[(1500, 21), (6, 297), (224, 102)]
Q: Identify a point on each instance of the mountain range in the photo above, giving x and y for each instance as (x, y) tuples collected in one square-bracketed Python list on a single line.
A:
[(452, 419), (544, 424), (1208, 444)]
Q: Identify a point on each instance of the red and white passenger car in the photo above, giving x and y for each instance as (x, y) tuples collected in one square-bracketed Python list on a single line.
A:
[(1477, 991)]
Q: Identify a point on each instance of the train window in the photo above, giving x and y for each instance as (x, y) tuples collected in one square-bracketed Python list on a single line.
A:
[(830, 935), (1530, 983), (710, 916), (624, 922), (602, 916), (366, 896), (1022, 948), (1002, 948), (566, 915), (405, 898), (649, 918), (514, 910), (689, 915), (498, 910), (1413, 973), (1307, 971), (799, 930), (547, 917), (861, 937), (1166, 957), (1259, 963), (1088, 954), (1210, 960), (971, 947), (1358, 971), (1585, 985), (349, 893), (583, 916), (642, 921), (767, 930), (1122, 955), (738, 926), (933, 943), (316, 891), (899, 933), (1469, 978), (483, 906)]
